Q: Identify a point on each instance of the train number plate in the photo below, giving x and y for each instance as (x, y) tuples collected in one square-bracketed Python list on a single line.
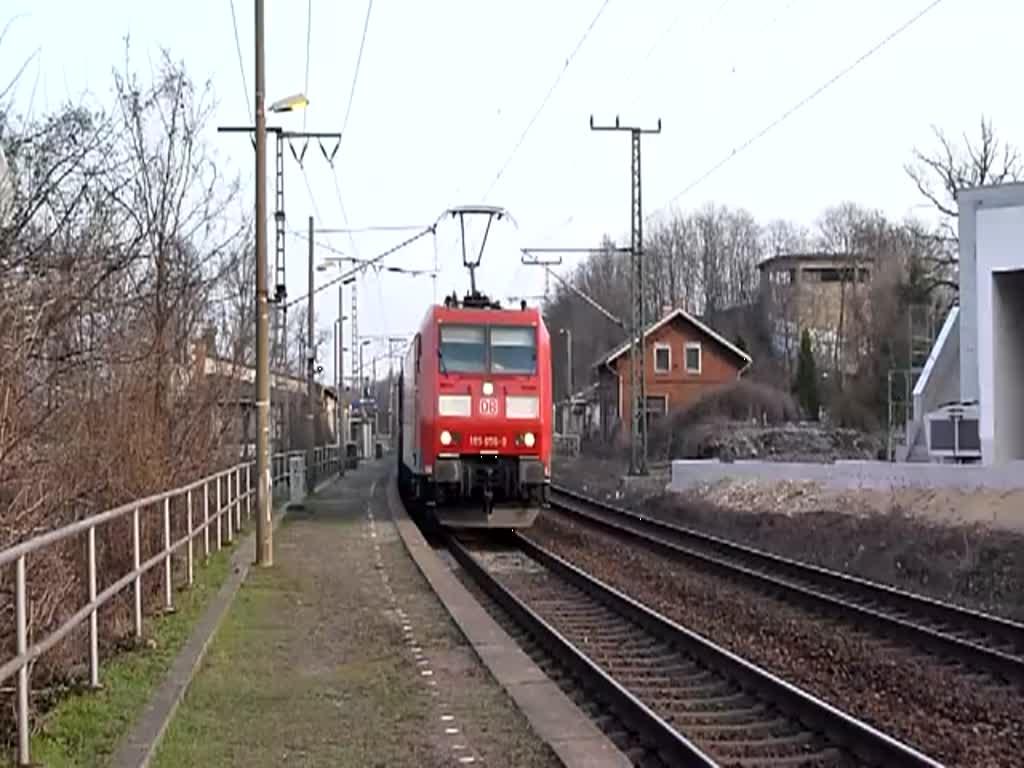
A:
[(488, 406), (487, 441)]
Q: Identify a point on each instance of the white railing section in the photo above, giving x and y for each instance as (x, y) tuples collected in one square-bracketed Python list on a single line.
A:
[(217, 501)]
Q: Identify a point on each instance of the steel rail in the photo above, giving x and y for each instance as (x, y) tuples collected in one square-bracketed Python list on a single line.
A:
[(862, 740), (633, 713), (769, 571)]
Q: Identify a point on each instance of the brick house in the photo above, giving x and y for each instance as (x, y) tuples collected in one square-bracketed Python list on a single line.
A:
[(683, 360)]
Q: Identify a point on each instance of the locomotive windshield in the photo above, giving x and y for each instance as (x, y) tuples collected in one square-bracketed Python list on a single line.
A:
[(513, 350), (462, 349), (496, 349)]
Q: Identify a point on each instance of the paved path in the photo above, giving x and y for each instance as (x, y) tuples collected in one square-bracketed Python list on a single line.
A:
[(341, 655)]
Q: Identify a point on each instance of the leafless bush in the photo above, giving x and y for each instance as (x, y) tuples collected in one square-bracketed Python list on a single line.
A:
[(112, 263), (741, 401), (846, 410)]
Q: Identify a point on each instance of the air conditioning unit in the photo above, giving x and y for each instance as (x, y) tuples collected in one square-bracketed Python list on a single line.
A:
[(952, 432)]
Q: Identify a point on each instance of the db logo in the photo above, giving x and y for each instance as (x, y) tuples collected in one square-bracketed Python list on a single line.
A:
[(488, 406)]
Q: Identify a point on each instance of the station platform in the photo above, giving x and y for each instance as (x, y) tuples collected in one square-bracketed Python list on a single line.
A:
[(341, 654)]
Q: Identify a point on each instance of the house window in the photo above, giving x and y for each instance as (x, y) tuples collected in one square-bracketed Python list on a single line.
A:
[(692, 352), (662, 358)]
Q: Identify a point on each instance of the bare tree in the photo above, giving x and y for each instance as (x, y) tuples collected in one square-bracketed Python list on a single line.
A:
[(110, 263), (939, 174)]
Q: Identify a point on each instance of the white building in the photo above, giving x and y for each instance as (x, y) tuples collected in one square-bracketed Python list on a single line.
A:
[(978, 359)]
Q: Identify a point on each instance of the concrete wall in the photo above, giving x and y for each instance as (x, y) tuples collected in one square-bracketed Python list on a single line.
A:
[(991, 229), (1008, 360), (848, 475)]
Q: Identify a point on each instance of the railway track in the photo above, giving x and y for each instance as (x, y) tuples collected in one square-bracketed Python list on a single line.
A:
[(977, 640), (690, 701)]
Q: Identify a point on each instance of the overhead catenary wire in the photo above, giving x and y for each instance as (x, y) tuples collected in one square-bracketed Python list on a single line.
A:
[(355, 74), (366, 264), (369, 228), (372, 263), (699, 34), (344, 123), (757, 34), (803, 102), (546, 99), (309, 40), (241, 61)]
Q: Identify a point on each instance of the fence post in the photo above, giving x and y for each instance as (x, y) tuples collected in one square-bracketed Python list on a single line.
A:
[(238, 497), (206, 519), (248, 492), (188, 527), (94, 642), (21, 640), (228, 508), (218, 515), (137, 561), (168, 601)]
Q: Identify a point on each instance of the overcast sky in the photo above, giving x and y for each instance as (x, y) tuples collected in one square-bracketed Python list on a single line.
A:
[(446, 89)]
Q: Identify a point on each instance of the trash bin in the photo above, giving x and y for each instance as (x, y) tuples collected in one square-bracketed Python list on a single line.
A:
[(378, 451), (351, 455)]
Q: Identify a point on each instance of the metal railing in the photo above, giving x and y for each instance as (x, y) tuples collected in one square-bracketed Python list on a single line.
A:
[(218, 500)]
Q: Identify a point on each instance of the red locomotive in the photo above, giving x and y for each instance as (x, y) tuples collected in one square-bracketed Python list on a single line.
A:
[(475, 412)]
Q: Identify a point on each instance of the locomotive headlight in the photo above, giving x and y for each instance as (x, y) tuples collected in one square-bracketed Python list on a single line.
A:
[(487, 388), (529, 439), (446, 437), (522, 407)]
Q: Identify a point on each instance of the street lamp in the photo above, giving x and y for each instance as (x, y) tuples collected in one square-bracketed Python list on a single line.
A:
[(290, 103)]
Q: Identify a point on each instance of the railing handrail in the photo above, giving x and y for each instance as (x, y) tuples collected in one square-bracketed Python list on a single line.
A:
[(228, 506), (41, 540)]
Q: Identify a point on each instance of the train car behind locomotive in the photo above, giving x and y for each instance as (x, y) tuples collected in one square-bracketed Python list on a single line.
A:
[(475, 414)]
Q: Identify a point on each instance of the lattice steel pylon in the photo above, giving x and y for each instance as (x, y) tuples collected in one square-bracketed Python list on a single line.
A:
[(637, 379), (279, 318)]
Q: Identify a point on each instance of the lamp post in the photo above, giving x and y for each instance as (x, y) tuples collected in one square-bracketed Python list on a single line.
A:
[(264, 524), (568, 376), (362, 395), (339, 376), (264, 528), (339, 366)]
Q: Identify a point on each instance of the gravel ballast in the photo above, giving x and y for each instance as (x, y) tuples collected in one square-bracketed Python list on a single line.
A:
[(976, 566), (937, 708)]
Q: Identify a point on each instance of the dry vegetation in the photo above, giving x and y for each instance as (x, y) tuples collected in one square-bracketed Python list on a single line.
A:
[(121, 245)]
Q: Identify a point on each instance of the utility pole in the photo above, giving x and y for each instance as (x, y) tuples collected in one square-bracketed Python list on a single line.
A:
[(264, 528), (567, 332), (637, 379), (310, 363), (357, 354), (392, 400), (339, 373), (279, 332)]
